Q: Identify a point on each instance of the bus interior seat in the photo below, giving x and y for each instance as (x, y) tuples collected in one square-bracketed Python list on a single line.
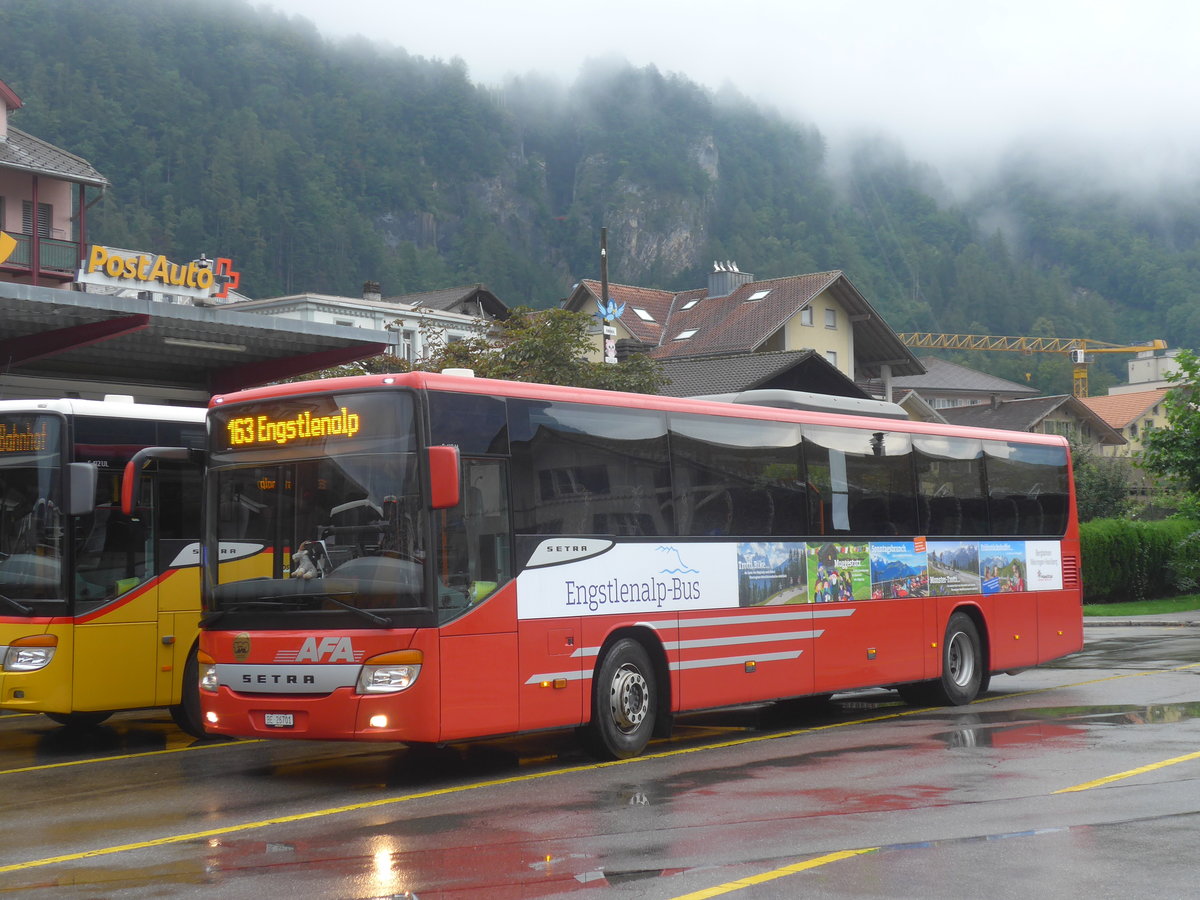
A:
[(790, 507), (945, 515), (753, 511), (1003, 512), (974, 515), (869, 515), (712, 514), (1029, 513), (902, 514)]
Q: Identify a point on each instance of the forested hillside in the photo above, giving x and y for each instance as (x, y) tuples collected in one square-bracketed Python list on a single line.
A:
[(318, 165)]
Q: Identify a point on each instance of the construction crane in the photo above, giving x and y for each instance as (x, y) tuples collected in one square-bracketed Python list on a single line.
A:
[(1079, 349)]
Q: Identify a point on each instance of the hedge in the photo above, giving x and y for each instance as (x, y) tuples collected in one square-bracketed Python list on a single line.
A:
[(1127, 560)]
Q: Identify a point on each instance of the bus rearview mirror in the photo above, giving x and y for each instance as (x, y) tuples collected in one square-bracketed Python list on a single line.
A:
[(81, 477), (443, 477)]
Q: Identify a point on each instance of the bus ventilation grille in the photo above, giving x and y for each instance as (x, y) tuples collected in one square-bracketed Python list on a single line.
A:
[(1070, 572)]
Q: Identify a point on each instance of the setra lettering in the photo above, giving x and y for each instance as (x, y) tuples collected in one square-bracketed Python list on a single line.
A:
[(278, 679)]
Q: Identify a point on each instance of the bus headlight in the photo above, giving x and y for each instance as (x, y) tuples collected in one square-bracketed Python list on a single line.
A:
[(208, 672), (389, 673), (28, 654)]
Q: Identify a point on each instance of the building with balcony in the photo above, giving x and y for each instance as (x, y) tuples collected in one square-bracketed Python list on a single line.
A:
[(45, 193), (737, 316)]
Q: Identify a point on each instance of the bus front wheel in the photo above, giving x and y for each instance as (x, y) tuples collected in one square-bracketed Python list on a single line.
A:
[(624, 702), (78, 719), (186, 713)]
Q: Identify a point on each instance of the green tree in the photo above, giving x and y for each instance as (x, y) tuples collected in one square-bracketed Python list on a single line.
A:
[(1101, 484), (549, 346), (1170, 452)]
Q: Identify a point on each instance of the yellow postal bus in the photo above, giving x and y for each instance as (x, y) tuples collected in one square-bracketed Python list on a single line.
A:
[(98, 609)]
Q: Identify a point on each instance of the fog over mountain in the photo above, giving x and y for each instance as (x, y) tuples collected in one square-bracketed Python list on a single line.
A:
[(1104, 84), (1001, 197)]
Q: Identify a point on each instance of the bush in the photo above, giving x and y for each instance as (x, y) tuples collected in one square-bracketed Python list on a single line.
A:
[(1185, 564), (1127, 560)]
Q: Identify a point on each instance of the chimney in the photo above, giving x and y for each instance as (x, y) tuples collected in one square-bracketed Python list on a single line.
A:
[(371, 291), (995, 402), (725, 278)]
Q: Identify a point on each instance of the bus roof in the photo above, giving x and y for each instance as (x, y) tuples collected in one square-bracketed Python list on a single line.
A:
[(882, 419), (116, 409)]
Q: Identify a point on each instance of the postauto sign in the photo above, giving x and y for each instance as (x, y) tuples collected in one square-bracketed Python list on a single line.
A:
[(121, 268)]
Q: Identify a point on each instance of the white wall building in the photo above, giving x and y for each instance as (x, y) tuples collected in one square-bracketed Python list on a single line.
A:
[(413, 323)]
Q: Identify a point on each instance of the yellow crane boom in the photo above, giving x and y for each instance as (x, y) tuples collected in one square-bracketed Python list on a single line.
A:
[(1079, 349)]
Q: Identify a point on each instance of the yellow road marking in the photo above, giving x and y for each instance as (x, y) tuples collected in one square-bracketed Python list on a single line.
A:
[(1140, 770), (730, 886), (516, 779), (100, 759)]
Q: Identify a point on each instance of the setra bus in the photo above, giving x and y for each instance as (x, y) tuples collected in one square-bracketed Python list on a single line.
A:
[(98, 608), (433, 558)]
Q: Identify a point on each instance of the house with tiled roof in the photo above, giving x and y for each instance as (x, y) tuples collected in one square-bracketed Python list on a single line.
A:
[(1133, 415), (738, 316), (945, 385), (791, 370), (1061, 414), (43, 204)]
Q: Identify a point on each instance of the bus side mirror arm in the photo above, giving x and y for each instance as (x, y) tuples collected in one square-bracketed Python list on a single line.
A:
[(141, 459), (444, 477)]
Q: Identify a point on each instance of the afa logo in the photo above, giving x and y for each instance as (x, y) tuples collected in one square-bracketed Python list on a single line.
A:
[(8, 244), (324, 650)]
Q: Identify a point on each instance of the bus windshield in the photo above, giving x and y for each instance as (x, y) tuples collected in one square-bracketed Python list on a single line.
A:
[(32, 520), (320, 535)]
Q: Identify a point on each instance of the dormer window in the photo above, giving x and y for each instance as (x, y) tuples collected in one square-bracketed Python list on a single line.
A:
[(643, 315)]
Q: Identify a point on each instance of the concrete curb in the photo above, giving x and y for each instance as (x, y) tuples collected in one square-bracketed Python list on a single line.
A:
[(1128, 623)]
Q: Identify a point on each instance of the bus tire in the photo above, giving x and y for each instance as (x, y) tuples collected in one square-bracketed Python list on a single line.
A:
[(78, 719), (963, 676), (962, 663), (187, 714), (624, 702)]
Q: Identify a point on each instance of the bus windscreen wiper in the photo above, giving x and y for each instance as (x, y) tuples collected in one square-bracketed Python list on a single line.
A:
[(272, 601), (17, 605)]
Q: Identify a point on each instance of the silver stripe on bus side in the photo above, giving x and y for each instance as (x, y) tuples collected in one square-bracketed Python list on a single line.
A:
[(738, 661), (754, 619), (731, 661), (742, 639)]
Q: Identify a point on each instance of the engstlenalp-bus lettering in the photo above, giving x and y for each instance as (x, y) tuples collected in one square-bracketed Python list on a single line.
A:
[(593, 596)]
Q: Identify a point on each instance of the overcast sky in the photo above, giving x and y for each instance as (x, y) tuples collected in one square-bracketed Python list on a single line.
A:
[(951, 79)]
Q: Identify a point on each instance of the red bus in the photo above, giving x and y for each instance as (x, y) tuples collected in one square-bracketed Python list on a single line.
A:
[(431, 558)]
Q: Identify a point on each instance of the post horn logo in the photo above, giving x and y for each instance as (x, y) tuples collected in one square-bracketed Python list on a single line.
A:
[(241, 646), (7, 245)]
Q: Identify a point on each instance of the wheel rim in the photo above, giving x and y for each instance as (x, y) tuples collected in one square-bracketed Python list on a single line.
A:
[(628, 698), (960, 659)]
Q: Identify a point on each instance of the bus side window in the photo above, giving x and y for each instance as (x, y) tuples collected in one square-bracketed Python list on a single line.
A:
[(739, 477), (585, 469), (1028, 488)]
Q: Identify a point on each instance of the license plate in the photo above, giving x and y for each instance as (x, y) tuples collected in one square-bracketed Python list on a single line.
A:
[(279, 720)]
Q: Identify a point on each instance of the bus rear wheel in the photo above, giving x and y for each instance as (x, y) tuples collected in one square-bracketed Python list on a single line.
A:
[(624, 702), (963, 677)]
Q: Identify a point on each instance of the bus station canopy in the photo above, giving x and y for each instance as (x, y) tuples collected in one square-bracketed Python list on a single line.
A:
[(63, 334)]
